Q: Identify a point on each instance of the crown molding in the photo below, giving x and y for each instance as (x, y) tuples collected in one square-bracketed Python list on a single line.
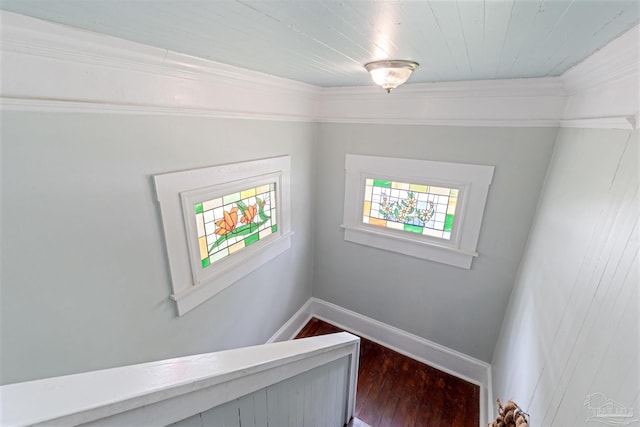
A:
[(56, 106), (459, 89), (619, 122), (52, 67), (31, 36), (518, 102), (446, 122)]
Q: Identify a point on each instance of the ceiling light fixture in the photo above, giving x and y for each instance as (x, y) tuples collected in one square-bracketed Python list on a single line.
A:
[(390, 74)]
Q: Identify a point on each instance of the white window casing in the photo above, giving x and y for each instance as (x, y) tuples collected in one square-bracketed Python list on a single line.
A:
[(178, 192), (471, 181)]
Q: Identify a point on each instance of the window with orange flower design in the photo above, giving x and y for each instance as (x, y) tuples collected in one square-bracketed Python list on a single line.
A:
[(232, 222), (223, 222)]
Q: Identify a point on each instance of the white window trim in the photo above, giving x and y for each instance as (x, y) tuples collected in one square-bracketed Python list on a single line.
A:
[(191, 289), (472, 181)]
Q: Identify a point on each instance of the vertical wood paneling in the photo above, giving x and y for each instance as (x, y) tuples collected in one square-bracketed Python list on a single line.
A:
[(247, 410), (314, 398), (226, 415), (295, 398), (275, 411), (309, 399), (194, 421), (339, 377), (253, 409), (322, 390), (610, 236), (605, 305), (572, 324)]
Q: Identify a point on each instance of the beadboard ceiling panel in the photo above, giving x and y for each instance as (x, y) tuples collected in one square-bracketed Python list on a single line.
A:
[(326, 42)]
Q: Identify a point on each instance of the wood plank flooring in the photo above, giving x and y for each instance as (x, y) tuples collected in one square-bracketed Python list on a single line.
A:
[(397, 391)]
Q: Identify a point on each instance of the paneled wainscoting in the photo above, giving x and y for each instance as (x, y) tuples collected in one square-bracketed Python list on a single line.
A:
[(396, 391), (302, 383), (317, 397)]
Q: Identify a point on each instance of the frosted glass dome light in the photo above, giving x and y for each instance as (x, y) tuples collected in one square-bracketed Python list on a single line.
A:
[(390, 74)]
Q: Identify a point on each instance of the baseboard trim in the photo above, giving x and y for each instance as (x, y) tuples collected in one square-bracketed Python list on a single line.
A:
[(294, 325), (438, 356)]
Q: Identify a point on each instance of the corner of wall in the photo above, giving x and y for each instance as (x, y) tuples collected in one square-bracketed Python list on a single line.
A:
[(603, 89), (602, 94)]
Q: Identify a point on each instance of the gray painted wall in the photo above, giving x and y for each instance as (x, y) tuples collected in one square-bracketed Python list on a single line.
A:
[(461, 309), (84, 277), (571, 329)]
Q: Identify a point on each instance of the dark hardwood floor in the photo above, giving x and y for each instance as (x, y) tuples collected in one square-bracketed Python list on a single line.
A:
[(396, 391)]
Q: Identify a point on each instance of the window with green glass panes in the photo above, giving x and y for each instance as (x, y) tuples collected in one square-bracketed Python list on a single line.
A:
[(234, 221), (416, 208)]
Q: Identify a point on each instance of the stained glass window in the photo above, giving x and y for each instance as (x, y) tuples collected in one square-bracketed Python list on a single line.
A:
[(234, 221), (423, 209)]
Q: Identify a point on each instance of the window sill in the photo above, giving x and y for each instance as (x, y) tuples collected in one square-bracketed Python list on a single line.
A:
[(408, 246), (195, 295)]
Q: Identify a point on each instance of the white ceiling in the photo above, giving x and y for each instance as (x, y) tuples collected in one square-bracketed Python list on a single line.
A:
[(326, 42)]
